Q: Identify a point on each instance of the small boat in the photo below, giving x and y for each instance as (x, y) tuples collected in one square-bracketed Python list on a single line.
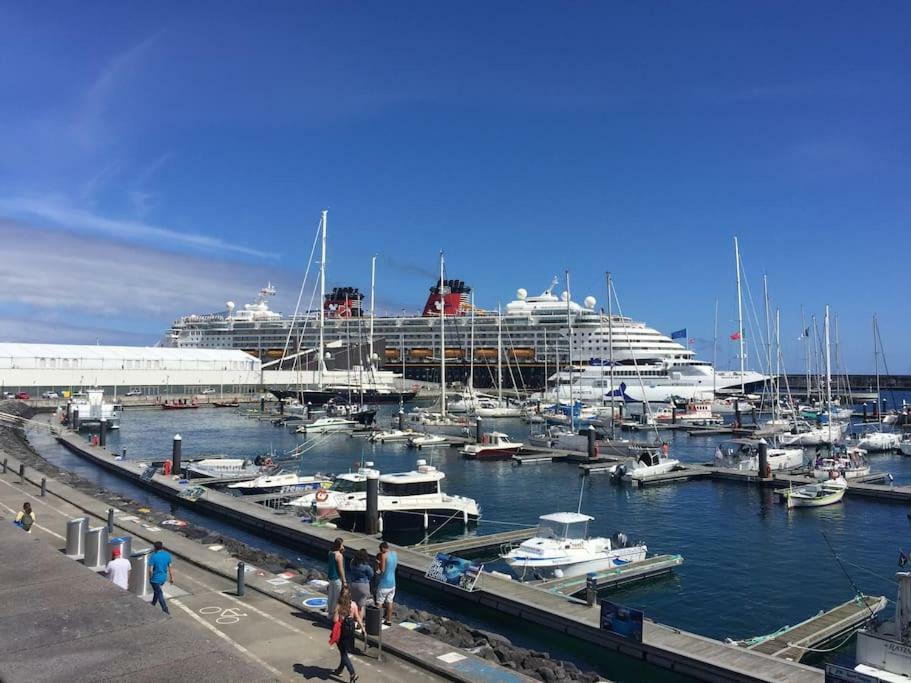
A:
[(323, 503), (392, 435), (650, 463), (220, 467), (428, 441), (321, 425), (695, 412), (280, 482), (880, 441), (226, 404), (179, 404), (850, 463), (815, 495), (410, 501), (561, 548), (743, 454), (881, 651), (493, 446)]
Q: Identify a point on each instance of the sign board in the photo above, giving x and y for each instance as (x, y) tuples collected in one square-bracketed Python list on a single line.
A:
[(454, 571), (840, 674), (622, 621)]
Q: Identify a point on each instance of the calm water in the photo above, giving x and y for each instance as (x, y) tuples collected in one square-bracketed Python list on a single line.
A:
[(750, 565)]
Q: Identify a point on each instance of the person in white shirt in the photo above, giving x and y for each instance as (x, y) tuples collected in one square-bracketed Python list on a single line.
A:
[(118, 570)]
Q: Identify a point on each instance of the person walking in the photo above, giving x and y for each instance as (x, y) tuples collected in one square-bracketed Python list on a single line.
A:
[(347, 613), (118, 570), (335, 570), (25, 518), (159, 572), (385, 586), (359, 576)]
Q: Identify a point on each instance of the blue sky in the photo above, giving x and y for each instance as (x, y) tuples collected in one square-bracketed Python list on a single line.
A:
[(159, 160)]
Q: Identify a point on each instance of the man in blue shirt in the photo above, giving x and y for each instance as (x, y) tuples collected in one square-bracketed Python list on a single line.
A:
[(159, 572), (385, 586)]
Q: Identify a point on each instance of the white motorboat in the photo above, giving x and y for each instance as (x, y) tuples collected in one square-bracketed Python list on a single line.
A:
[(428, 441), (743, 454), (347, 486), (883, 650), (850, 463), (557, 436), (695, 412), (221, 467), (815, 495), (880, 441), (905, 445), (650, 463), (393, 435), (410, 501), (322, 425), (493, 446), (281, 482), (730, 405), (561, 547)]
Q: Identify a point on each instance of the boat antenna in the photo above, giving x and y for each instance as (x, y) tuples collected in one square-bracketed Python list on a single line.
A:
[(581, 491), (857, 592)]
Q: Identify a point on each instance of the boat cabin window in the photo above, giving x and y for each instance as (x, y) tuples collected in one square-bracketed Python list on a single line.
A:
[(348, 486), (416, 488), (551, 529)]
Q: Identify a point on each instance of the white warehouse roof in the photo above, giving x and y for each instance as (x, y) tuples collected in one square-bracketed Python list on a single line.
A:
[(14, 355)]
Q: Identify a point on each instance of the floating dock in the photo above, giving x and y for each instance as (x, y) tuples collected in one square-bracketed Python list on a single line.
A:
[(475, 545), (793, 643), (612, 578)]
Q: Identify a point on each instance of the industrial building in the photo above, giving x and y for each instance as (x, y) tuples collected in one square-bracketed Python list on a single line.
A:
[(37, 368)]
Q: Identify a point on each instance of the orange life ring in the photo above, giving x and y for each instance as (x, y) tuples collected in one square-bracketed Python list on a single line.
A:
[(322, 495)]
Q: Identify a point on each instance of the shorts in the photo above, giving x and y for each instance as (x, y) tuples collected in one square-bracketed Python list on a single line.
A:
[(384, 595)]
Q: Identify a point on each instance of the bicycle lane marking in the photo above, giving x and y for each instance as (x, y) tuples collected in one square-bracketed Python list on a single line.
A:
[(43, 528), (224, 636)]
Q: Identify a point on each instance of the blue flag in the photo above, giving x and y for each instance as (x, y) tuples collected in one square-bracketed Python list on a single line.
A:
[(679, 334)]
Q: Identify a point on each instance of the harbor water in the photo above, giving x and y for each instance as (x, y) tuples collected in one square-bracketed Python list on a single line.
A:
[(751, 566)]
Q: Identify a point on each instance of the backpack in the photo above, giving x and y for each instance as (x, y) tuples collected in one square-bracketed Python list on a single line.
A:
[(347, 632), (26, 522)]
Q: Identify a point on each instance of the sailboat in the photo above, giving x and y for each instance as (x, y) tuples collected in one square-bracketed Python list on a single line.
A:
[(878, 439)]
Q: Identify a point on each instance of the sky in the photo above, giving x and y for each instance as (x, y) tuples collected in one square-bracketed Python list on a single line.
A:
[(159, 159)]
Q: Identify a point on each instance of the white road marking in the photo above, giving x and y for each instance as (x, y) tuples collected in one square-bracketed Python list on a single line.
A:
[(224, 636), (40, 500)]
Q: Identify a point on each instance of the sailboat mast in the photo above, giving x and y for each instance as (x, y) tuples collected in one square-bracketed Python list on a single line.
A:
[(739, 315), (499, 356), (471, 351), (372, 307), (610, 347), (879, 402), (828, 377), (442, 341), (569, 323), (715, 353), (768, 326), (777, 396), (321, 361)]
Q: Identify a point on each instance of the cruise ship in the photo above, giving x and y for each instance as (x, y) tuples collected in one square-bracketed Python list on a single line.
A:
[(530, 341)]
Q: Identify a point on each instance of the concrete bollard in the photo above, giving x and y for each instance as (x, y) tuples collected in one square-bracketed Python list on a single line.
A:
[(373, 511), (262, 405), (401, 416), (5, 465), (122, 543), (592, 448), (110, 520), (139, 573), (309, 409), (477, 430), (865, 412), (373, 623), (241, 579), (673, 413), (21, 473), (176, 449), (43, 487), (123, 456), (103, 432), (75, 538), (75, 419), (763, 459), (281, 407), (737, 422), (591, 589), (96, 544)]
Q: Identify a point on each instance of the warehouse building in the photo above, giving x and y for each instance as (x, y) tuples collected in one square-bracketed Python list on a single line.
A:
[(37, 368)]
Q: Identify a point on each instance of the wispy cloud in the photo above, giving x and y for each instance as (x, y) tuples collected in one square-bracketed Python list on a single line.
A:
[(78, 277), (59, 214)]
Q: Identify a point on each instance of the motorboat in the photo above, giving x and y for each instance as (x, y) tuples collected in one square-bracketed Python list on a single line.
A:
[(563, 438), (883, 649), (731, 405), (849, 462), (743, 454), (281, 482), (428, 441), (324, 502), (410, 501), (905, 445), (561, 548), (695, 412), (650, 463), (322, 425), (392, 435), (221, 467), (880, 441), (815, 495), (363, 415), (493, 446)]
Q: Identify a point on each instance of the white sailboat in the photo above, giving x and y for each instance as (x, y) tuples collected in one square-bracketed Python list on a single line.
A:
[(879, 439)]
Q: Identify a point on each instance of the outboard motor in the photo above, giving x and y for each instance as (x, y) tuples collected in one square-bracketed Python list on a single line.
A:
[(617, 472), (619, 540)]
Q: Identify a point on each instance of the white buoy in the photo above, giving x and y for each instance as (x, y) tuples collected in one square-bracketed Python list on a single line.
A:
[(465, 516), (426, 520)]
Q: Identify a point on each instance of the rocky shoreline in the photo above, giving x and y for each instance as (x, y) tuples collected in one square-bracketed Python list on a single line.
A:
[(490, 646)]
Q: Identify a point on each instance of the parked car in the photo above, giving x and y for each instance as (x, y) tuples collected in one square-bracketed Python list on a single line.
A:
[(50, 394), (206, 392), (9, 394), (23, 396), (134, 392)]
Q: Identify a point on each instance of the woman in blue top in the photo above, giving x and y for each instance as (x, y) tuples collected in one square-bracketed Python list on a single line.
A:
[(335, 569), (359, 577)]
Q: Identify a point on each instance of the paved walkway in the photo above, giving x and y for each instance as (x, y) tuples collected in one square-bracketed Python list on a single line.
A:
[(267, 639)]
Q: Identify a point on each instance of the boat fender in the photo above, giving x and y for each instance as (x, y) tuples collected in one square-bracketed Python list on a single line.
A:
[(167, 468), (322, 495), (768, 471)]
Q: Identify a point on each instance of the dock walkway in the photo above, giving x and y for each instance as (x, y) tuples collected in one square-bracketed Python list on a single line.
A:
[(793, 643), (611, 578), (474, 545), (662, 646)]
